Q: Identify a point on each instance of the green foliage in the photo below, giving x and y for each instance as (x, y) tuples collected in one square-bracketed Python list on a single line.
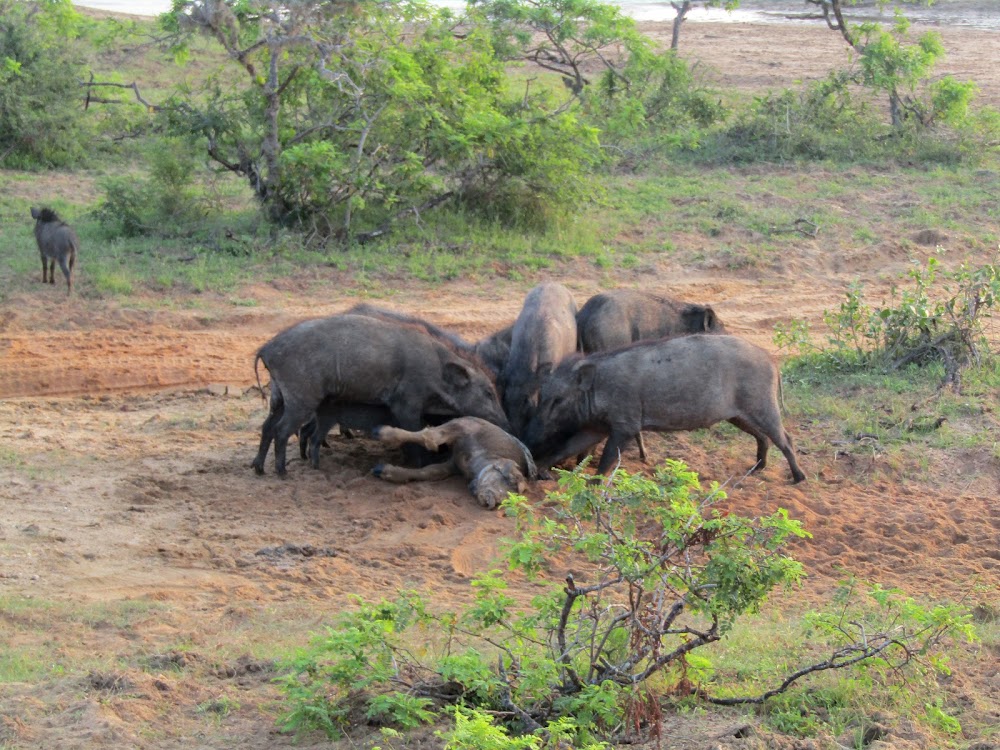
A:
[(476, 730), (938, 318), (400, 710), (822, 120), (356, 654), (671, 575), (164, 204), (654, 97), (41, 117), (937, 717), (405, 116)]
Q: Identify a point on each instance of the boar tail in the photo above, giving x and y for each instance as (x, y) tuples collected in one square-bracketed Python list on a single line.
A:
[(781, 397), (257, 375)]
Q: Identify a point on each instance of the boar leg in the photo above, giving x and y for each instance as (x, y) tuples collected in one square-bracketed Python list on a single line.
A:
[(296, 413), (67, 272), (578, 445), (45, 269), (306, 432), (785, 446), (762, 444), (778, 436), (612, 450), (431, 438), (431, 472), (642, 447), (412, 421), (277, 410)]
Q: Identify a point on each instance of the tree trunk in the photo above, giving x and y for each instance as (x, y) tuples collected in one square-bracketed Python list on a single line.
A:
[(682, 9), (270, 147)]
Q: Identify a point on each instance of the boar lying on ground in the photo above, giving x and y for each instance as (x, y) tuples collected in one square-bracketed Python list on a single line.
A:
[(494, 462), (365, 360), (542, 336), (57, 243), (683, 383), (611, 320)]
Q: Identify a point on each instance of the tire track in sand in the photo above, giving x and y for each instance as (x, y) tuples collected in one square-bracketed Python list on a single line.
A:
[(42, 363)]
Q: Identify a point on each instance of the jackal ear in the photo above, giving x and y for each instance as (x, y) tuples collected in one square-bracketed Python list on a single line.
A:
[(584, 372)]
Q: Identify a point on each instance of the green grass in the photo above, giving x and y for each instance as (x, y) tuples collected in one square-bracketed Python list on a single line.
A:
[(762, 650)]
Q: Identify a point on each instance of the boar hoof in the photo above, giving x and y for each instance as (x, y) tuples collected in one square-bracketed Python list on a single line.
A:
[(257, 468), (379, 468)]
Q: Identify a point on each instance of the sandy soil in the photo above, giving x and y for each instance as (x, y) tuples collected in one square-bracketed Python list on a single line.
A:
[(126, 436)]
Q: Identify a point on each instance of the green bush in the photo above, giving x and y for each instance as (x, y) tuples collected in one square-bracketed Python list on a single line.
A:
[(41, 106), (820, 121), (164, 204), (670, 575)]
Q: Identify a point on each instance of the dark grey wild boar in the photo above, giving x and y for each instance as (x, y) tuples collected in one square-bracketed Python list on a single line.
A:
[(683, 383), (489, 351), (611, 320), (347, 415), (361, 359), (494, 462), (543, 335), (57, 243), (494, 349)]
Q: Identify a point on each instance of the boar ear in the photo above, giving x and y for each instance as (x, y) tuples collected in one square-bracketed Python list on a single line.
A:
[(457, 374), (584, 372), (709, 318), (34, 212)]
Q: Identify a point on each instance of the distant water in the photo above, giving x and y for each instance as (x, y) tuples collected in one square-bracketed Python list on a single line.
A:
[(969, 13), (642, 10)]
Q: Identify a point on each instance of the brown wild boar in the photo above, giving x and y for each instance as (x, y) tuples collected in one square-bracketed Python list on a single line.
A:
[(543, 335), (57, 243), (611, 320), (494, 462), (360, 359), (683, 383)]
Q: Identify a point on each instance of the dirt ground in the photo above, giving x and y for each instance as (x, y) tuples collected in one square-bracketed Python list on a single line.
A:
[(126, 436)]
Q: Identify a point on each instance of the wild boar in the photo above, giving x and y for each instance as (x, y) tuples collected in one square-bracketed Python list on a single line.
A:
[(543, 335), (494, 462), (683, 383), (349, 416), (494, 350), (611, 320), (57, 243), (491, 351), (361, 359)]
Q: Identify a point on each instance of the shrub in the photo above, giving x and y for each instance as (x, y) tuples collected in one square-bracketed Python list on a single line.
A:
[(41, 109)]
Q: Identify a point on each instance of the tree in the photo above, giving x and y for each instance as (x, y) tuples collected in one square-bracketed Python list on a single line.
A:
[(636, 88), (683, 7), (371, 109), (652, 575), (890, 63), (563, 36), (41, 110)]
